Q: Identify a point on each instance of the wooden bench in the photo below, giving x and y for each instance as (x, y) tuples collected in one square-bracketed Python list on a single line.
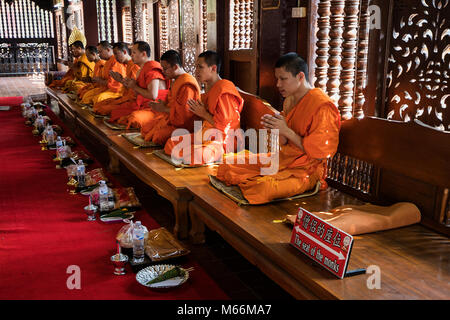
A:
[(170, 182), (378, 161), (413, 260)]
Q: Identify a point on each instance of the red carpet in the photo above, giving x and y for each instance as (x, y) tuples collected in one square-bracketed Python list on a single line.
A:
[(43, 231), (11, 101)]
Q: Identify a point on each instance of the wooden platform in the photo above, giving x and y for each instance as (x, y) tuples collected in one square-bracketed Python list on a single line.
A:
[(414, 260)]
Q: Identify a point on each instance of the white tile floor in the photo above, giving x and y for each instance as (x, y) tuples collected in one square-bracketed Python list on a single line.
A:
[(22, 86)]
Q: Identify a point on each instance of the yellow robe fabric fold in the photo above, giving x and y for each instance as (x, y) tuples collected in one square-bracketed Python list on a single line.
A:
[(82, 88), (82, 69), (111, 89)]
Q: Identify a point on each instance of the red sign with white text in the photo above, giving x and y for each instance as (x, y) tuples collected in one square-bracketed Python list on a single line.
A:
[(322, 242)]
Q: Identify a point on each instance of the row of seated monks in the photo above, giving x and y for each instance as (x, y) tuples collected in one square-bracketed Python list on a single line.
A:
[(198, 126)]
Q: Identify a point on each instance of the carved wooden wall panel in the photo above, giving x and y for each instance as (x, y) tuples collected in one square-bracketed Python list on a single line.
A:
[(419, 63), (169, 27), (241, 24)]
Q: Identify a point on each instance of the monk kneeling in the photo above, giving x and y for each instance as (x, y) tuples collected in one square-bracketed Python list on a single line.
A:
[(308, 136), (150, 84), (159, 121), (219, 109)]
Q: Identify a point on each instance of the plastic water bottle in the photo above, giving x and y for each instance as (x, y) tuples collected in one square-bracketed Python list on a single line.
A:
[(138, 242), (50, 135), (103, 196), (111, 202), (81, 174), (40, 123)]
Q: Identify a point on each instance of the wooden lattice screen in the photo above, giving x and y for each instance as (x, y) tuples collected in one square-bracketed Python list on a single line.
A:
[(27, 38), (419, 63), (106, 19), (341, 53)]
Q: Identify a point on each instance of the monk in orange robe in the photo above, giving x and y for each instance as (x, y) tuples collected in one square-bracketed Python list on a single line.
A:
[(93, 57), (106, 86), (308, 135), (97, 74), (83, 70), (159, 121), (77, 50), (122, 54), (150, 84), (219, 109)]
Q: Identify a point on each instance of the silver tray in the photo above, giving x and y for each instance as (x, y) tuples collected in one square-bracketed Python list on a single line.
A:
[(147, 274)]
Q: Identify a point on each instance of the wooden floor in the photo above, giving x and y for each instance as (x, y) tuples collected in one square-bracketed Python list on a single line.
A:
[(22, 86)]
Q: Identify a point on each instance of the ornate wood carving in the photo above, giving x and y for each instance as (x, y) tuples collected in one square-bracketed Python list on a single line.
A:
[(323, 23), (335, 49), (418, 70), (106, 16), (351, 172), (241, 24), (204, 19), (189, 36), (363, 48), (163, 28), (349, 58), (127, 25)]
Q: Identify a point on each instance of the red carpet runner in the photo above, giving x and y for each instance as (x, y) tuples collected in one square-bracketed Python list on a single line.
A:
[(43, 231)]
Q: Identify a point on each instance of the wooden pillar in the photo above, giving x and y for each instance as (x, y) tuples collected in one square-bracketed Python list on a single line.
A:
[(90, 22)]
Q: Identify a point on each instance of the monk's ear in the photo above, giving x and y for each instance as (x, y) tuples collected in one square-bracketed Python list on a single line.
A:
[(214, 68)]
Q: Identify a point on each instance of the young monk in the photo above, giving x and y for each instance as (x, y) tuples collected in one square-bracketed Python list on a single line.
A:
[(149, 85), (83, 72), (93, 55), (86, 82), (219, 109), (122, 54), (308, 135), (159, 121), (106, 86), (77, 50)]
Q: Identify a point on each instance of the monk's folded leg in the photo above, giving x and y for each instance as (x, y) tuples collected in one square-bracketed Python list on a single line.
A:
[(105, 95), (263, 189), (139, 118), (122, 110), (88, 97)]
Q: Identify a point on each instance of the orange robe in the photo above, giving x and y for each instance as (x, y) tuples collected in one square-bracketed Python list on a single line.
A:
[(111, 89), (158, 126), (68, 76), (151, 70), (127, 94), (98, 71), (316, 119), (82, 69), (224, 102)]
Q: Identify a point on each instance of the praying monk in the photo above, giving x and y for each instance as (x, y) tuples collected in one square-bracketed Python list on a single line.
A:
[(83, 72), (219, 109), (122, 54), (93, 55), (150, 84), (158, 122), (105, 86), (86, 82), (77, 50), (308, 135)]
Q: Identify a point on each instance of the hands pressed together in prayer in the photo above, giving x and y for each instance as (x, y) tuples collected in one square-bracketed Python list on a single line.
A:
[(116, 76), (278, 121), (198, 108)]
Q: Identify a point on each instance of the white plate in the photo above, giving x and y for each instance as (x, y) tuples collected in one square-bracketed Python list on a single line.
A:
[(151, 272)]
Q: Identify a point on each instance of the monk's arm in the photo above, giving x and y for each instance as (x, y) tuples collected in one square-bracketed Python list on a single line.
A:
[(323, 137), (286, 134), (179, 112), (151, 92)]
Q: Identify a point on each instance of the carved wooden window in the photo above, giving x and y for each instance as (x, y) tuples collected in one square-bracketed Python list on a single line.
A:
[(24, 19), (106, 19), (127, 25), (241, 24), (419, 63), (341, 53)]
